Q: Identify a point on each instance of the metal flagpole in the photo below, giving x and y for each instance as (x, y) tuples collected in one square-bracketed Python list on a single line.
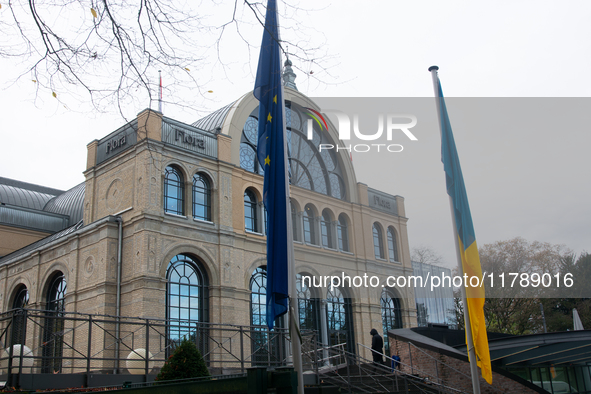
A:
[(470, 340), (296, 343), (160, 93), (293, 315)]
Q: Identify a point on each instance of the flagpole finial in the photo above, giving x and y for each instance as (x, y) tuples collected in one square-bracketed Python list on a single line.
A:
[(433, 68)]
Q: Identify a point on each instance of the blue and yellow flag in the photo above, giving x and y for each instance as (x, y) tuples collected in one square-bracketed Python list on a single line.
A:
[(466, 239), (271, 153)]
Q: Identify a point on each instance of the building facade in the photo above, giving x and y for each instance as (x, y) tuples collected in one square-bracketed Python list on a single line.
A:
[(172, 230)]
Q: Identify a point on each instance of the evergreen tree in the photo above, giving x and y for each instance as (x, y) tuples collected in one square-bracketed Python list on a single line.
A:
[(184, 363)]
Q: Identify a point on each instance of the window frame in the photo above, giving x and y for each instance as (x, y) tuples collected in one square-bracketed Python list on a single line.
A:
[(55, 305), (310, 225), (186, 290), (392, 245), (251, 206), (178, 186), (326, 232), (343, 234), (378, 242), (205, 192)]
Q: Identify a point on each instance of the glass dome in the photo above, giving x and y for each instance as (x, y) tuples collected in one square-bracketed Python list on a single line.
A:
[(309, 168)]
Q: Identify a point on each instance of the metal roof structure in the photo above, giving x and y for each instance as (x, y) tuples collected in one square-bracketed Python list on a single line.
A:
[(30, 186), (70, 203), (214, 120), (39, 208), (556, 348), (25, 198)]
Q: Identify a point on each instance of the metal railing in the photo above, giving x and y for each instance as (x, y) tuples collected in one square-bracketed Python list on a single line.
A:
[(73, 344), (359, 374), (69, 343)]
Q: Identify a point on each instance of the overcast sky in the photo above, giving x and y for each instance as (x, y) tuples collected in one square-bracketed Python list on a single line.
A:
[(531, 179)]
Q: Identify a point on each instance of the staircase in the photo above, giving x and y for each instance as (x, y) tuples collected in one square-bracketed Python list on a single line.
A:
[(356, 374)]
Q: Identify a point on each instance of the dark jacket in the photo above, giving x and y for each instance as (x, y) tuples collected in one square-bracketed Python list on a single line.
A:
[(377, 344)]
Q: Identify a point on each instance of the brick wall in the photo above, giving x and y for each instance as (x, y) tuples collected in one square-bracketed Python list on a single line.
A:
[(450, 369)]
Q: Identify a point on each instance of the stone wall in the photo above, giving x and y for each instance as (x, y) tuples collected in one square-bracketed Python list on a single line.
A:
[(452, 369)]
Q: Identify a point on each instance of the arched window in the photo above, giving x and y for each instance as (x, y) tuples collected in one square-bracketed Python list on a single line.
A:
[(310, 168), (248, 144), (265, 217), (326, 230), (309, 225), (267, 347), (294, 223), (21, 300), (54, 324), (378, 246), (258, 298), (391, 315), (339, 320), (308, 307), (250, 212), (186, 300), (392, 246), (201, 197), (174, 191), (343, 233), (21, 297)]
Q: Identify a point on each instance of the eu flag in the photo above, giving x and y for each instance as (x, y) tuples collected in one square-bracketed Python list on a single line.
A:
[(273, 159), (466, 239)]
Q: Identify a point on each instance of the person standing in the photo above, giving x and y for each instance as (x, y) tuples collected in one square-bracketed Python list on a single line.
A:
[(377, 347)]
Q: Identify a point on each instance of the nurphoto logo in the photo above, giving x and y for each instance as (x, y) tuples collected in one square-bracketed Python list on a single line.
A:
[(394, 125)]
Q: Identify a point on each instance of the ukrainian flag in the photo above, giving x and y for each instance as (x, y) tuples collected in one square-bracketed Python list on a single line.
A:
[(271, 153), (466, 238)]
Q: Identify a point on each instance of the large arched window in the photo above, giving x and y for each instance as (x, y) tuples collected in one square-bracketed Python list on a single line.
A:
[(201, 197), (392, 245), (310, 168), (186, 300), (250, 212), (308, 307), (343, 233), (326, 230), (391, 315), (267, 347), (310, 225), (20, 301), (258, 297), (174, 191), (339, 320), (378, 245), (54, 324), (248, 144)]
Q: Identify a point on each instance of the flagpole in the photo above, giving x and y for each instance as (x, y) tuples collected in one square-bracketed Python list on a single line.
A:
[(296, 344), (160, 92), (294, 312), (470, 340)]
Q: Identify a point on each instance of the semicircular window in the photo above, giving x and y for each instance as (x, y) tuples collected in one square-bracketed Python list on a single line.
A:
[(309, 168)]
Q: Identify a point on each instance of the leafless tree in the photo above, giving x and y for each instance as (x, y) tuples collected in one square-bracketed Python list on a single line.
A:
[(426, 255), (109, 52)]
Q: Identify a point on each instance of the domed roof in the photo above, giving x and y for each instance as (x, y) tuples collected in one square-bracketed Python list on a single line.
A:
[(70, 203), (25, 195), (214, 120)]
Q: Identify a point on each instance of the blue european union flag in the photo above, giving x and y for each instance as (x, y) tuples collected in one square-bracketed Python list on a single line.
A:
[(271, 153)]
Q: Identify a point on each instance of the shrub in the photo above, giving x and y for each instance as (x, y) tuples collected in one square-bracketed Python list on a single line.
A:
[(184, 363)]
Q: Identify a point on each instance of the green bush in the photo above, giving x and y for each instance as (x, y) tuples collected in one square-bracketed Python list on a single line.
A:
[(184, 363)]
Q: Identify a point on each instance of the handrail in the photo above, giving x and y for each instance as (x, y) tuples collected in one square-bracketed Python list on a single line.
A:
[(407, 365), (407, 378)]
